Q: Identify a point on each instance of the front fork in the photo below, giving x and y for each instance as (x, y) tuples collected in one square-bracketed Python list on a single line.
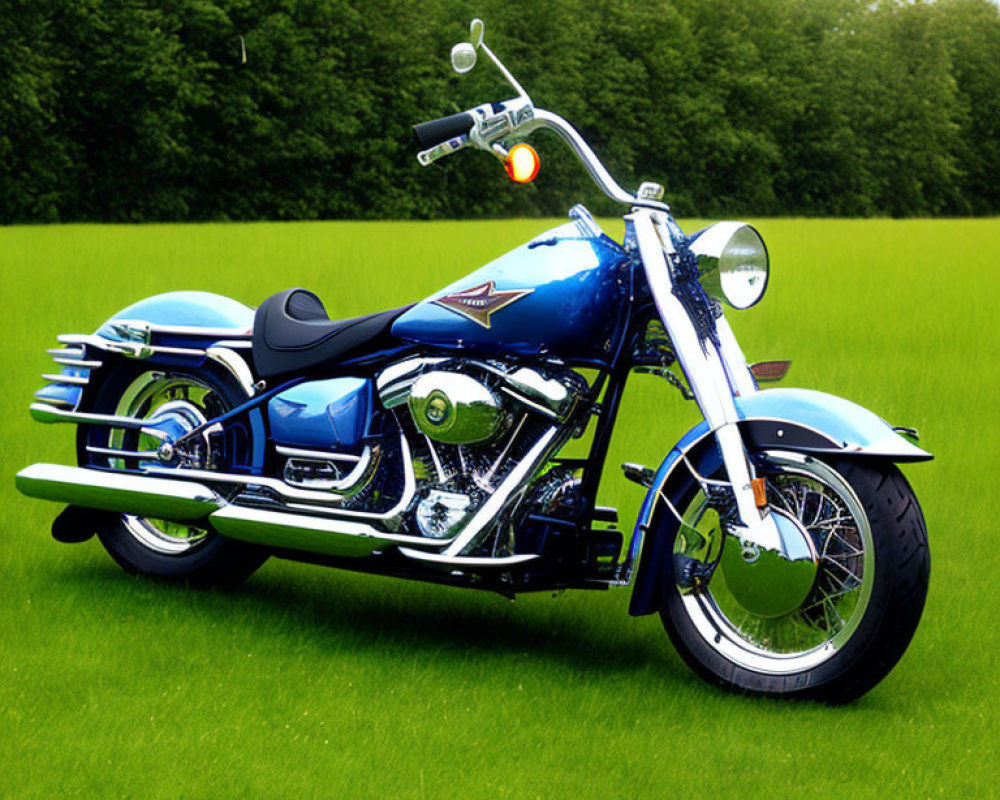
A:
[(715, 374)]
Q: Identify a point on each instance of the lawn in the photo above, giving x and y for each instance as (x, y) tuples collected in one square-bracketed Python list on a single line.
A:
[(311, 682)]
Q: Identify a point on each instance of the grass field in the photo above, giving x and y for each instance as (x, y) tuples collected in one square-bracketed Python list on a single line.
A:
[(316, 683)]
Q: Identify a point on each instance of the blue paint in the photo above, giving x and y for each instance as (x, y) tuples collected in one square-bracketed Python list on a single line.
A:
[(188, 309), (575, 308), (646, 510), (323, 415)]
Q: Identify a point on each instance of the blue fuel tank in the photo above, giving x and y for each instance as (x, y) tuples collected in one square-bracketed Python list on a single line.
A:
[(562, 294)]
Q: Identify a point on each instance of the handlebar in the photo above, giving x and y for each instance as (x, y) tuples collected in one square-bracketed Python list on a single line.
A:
[(436, 131), (488, 126)]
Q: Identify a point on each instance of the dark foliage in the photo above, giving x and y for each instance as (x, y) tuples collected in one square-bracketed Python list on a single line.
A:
[(143, 110)]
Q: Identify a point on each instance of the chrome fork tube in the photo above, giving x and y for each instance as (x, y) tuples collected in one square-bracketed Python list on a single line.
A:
[(707, 375), (741, 380)]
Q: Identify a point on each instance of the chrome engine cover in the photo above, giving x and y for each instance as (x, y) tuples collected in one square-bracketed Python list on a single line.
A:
[(454, 408), (441, 514)]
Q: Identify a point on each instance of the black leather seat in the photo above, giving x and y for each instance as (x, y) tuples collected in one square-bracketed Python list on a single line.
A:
[(293, 333)]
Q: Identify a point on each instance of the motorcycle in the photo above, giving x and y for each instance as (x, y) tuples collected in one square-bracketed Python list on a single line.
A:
[(778, 540)]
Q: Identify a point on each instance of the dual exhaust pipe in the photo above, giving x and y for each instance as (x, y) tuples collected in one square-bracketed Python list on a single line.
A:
[(188, 501)]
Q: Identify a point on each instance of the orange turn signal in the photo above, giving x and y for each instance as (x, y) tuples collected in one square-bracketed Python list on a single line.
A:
[(522, 163)]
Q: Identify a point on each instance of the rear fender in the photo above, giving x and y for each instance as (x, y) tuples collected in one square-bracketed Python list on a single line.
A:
[(799, 420), (178, 329)]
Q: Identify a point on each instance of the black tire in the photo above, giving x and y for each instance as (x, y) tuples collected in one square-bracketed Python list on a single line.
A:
[(872, 638), (160, 549)]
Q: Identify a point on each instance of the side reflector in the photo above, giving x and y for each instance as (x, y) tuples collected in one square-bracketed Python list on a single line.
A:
[(759, 491), (522, 163), (766, 371)]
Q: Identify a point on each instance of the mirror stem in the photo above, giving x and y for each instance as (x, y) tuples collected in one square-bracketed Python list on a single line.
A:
[(503, 70)]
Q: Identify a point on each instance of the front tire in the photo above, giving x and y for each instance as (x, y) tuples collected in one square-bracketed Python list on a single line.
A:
[(864, 607), (185, 552)]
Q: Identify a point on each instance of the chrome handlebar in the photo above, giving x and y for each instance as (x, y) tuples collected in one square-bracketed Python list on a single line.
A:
[(519, 117), (589, 159)]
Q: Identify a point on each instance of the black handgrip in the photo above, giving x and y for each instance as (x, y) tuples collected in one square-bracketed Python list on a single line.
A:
[(441, 130)]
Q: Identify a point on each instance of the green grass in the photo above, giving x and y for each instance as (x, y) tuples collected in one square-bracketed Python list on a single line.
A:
[(312, 682)]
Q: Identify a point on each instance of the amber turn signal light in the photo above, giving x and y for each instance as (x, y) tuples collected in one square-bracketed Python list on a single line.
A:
[(522, 163)]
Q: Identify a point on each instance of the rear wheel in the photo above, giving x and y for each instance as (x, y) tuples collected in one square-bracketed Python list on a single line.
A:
[(868, 568), (159, 548)]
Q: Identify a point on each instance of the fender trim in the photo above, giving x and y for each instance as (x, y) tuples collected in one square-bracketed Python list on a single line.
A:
[(799, 420)]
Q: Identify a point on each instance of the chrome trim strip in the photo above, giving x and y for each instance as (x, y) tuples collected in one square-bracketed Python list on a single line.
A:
[(186, 330), (81, 338), (467, 561), (79, 362), (320, 455), (43, 412), (147, 455), (177, 351), (67, 352), (235, 344), (72, 380), (114, 491), (130, 349)]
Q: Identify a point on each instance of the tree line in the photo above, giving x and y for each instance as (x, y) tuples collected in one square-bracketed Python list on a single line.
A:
[(135, 110)]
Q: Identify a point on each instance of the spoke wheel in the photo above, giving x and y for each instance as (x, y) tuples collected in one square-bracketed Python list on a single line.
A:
[(179, 401), (827, 508), (188, 403), (859, 614)]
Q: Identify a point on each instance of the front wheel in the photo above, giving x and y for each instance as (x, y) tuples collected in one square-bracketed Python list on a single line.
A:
[(868, 567)]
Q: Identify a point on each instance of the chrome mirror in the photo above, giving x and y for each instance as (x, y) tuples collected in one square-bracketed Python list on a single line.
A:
[(463, 57), (476, 32)]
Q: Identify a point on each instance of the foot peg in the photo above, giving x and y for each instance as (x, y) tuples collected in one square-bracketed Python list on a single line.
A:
[(637, 473)]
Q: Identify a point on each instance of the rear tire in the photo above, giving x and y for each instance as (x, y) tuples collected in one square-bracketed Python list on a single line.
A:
[(190, 553), (859, 618)]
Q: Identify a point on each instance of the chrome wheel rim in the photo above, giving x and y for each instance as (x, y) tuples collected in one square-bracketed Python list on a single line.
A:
[(190, 403), (826, 506)]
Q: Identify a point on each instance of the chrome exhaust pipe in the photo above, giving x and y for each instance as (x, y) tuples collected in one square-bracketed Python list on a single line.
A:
[(115, 491), (336, 537)]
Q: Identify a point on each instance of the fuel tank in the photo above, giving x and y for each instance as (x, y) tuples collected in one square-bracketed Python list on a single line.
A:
[(562, 294)]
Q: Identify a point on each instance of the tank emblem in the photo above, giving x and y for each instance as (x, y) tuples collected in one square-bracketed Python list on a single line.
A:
[(479, 302)]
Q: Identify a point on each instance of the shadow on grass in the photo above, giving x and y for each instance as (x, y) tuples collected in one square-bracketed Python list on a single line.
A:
[(336, 610)]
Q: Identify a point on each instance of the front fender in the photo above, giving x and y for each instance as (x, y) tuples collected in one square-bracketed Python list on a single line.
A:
[(799, 420)]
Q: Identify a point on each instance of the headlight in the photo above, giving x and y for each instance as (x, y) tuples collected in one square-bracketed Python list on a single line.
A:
[(733, 263)]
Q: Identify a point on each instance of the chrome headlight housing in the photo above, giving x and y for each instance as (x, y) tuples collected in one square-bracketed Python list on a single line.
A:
[(732, 263)]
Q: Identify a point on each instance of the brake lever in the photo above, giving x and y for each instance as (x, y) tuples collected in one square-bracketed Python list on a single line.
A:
[(432, 154)]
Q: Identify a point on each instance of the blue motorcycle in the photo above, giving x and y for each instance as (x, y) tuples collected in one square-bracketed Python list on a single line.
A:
[(778, 540)]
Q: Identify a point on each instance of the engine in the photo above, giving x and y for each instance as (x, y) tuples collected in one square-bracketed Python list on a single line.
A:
[(469, 425)]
